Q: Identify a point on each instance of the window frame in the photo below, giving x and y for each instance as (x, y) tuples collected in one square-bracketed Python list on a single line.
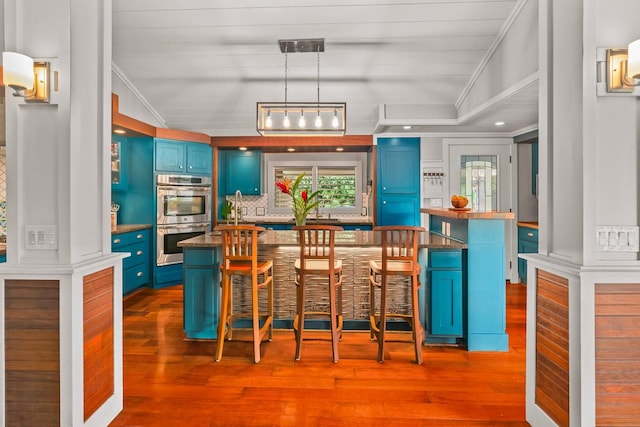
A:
[(282, 162)]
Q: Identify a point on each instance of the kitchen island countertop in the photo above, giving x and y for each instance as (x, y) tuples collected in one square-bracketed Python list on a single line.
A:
[(354, 238)]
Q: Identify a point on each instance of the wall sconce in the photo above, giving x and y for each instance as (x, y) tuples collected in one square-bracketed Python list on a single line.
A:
[(27, 78), (623, 68)]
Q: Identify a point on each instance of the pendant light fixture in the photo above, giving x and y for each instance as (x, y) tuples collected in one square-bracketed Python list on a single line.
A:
[(278, 118)]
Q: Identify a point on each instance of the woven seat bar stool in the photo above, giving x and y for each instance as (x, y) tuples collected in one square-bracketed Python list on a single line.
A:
[(317, 261), (240, 258), (399, 260)]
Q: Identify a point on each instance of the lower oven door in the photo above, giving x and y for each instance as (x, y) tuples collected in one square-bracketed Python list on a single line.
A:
[(168, 251)]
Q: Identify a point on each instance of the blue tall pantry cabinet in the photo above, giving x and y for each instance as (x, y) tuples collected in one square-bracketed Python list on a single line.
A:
[(398, 181)]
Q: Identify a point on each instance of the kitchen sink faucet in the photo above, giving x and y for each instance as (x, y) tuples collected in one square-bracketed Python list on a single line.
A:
[(237, 206)]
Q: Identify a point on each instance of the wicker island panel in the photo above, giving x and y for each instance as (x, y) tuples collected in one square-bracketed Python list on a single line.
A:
[(355, 282)]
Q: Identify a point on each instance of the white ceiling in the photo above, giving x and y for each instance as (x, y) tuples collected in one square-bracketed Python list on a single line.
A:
[(203, 64)]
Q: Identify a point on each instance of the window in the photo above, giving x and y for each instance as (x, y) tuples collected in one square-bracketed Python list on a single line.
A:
[(339, 182), (478, 181)]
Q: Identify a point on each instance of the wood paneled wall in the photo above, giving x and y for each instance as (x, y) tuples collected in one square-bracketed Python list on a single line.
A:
[(98, 340), (552, 346), (617, 330), (32, 353)]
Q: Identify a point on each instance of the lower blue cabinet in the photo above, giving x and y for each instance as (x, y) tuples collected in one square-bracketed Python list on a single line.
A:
[(445, 280), (136, 269), (201, 292), (3, 258), (527, 244)]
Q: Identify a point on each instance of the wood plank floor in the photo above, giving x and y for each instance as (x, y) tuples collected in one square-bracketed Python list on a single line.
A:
[(169, 381)]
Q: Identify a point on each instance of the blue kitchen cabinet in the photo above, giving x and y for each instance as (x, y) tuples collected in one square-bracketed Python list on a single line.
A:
[(445, 281), (398, 181), (136, 269), (242, 172), (201, 293), (527, 244), (3, 258), (118, 163), (182, 157)]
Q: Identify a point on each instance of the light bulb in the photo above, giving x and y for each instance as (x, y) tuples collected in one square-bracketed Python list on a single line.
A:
[(334, 122), (286, 122), (318, 120), (269, 122), (302, 122)]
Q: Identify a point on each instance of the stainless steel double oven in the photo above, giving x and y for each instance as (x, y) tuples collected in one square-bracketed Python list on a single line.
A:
[(184, 211)]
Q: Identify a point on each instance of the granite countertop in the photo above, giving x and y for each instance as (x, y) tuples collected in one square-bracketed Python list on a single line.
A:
[(267, 220), (126, 228), (467, 214), (355, 238)]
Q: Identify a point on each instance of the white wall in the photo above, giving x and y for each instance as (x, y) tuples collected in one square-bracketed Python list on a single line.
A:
[(527, 202)]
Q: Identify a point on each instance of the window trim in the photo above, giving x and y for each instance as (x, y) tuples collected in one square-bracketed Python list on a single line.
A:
[(273, 164)]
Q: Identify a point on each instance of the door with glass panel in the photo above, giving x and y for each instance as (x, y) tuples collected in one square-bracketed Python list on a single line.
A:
[(483, 174)]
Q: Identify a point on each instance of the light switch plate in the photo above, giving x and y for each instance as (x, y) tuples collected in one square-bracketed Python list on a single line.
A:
[(611, 238), (41, 237)]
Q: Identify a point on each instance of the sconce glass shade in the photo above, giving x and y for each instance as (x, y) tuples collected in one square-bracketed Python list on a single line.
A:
[(17, 71), (633, 60), (278, 118)]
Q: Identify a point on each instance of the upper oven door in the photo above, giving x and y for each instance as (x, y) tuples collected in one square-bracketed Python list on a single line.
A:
[(183, 205)]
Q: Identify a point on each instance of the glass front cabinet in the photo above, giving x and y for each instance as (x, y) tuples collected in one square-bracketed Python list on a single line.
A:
[(118, 176)]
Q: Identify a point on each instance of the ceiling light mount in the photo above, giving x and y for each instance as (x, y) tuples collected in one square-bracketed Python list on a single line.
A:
[(277, 118)]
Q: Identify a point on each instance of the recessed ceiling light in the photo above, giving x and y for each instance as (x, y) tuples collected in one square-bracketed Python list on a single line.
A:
[(406, 127), (242, 148), (339, 149), (291, 150), (499, 123), (120, 131)]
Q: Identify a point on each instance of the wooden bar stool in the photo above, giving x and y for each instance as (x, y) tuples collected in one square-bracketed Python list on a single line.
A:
[(240, 257), (399, 260), (317, 260)]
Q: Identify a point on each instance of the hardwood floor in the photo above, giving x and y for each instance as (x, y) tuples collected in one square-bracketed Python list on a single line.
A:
[(169, 381)]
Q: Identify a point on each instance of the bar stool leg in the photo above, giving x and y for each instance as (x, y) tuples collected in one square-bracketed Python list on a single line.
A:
[(334, 318), (383, 317), (416, 325), (372, 306), (299, 320), (255, 318), (224, 313)]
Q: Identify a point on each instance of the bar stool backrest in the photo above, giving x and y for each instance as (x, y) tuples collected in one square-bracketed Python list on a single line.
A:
[(240, 244), (400, 244), (317, 244)]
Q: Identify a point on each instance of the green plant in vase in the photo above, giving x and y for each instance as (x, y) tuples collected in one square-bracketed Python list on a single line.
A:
[(302, 203), (227, 206)]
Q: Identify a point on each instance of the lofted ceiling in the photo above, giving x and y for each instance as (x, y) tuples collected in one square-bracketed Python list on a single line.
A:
[(203, 64)]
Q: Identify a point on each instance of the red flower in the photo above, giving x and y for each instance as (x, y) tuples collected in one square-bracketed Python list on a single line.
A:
[(304, 195), (284, 185)]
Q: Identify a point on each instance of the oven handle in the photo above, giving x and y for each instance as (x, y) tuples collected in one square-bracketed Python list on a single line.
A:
[(196, 226)]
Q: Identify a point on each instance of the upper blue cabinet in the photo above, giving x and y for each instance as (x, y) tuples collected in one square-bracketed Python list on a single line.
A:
[(183, 157), (398, 181), (242, 172)]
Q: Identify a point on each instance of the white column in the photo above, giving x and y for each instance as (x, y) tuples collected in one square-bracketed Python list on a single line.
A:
[(58, 177)]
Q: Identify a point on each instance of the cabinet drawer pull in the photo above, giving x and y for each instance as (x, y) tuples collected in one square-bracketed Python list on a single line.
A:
[(139, 236), (529, 234), (116, 241), (139, 253), (139, 274)]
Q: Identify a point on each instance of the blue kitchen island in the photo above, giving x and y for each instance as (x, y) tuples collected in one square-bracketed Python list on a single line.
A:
[(480, 282), (355, 248)]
